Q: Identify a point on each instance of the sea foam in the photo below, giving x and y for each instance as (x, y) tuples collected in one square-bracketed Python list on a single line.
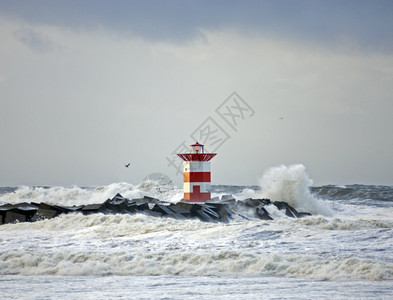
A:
[(291, 184), (75, 195)]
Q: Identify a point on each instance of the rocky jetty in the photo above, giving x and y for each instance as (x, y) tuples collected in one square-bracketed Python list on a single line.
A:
[(215, 210)]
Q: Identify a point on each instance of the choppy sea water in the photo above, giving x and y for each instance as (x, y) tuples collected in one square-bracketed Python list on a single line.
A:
[(343, 251)]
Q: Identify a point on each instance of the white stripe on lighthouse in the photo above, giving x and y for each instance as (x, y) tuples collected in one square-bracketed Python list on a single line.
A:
[(196, 166)]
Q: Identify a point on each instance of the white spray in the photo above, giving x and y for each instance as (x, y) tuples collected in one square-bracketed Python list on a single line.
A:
[(291, 185)]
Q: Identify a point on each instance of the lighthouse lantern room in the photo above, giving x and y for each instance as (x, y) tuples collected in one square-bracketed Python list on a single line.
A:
[(196, 170)]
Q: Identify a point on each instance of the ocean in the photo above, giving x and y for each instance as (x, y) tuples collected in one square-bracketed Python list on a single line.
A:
[(343, 251)]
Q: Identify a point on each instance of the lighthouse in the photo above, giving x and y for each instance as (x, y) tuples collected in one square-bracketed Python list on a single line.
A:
[(196, 170)]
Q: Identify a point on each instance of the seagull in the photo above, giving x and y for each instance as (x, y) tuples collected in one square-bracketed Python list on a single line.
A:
[(127, 165)]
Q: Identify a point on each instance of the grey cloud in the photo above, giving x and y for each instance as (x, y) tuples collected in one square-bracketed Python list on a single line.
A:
[(34, 40), (367, 25)]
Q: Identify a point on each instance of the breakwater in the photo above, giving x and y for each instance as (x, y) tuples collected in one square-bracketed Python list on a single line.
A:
[(216, 210)]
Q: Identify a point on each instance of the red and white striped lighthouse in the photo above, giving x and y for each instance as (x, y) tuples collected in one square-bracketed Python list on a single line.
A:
[(196, 169)]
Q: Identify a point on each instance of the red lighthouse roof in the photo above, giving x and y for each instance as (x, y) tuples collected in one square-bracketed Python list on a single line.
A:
[(196, 145), (197, 154)]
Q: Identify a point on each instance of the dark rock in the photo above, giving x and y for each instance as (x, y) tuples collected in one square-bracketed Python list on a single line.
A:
[(223, 210), (146, 199), (44, 205), (203, 216), (289, 210), (70, 209), (280, 205), (256, 202), (14, 217), (130, 206), (227, 197), (9, 212), (21, 212), (152, 213), (180, 210), (3, 210), (117, 197), (210, 210), (42, 214), (184, 205), (197, 210), (6, 207), (265, 201), (94, 208), (142, 206), (162, 209), (214, 206), (25, 206), (66, 209), (45, 211), (27, 212), (195, 207), (251, 202), (116, 204), (151, 199), (229, 201), (139, 200), (36, 204), (262, 213), (304, 214)]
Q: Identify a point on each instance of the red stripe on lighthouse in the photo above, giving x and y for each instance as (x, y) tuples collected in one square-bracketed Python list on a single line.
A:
[(196, 176), (196, 195)]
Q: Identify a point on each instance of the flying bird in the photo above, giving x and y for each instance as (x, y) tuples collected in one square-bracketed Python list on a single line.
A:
[(127, 165)]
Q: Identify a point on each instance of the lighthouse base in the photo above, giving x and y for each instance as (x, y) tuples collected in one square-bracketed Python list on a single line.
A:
[(196, 195)]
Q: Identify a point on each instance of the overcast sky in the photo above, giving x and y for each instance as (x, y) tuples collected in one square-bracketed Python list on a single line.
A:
[(87, 86)]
